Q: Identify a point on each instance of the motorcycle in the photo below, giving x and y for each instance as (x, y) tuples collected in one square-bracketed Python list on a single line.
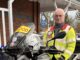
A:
[(29, 46)]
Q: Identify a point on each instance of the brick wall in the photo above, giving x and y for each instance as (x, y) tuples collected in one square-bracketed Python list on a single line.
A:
[(23, 13)]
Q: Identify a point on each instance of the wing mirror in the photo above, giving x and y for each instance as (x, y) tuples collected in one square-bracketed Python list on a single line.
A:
[(60, 35)]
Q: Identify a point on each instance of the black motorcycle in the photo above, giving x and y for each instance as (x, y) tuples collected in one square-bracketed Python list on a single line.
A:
[(30, 47)]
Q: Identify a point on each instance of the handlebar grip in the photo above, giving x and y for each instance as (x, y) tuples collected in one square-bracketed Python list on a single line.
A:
[(51, 50), (54, 51)]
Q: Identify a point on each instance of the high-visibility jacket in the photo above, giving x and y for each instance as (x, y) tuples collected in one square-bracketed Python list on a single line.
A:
[(66, 44)]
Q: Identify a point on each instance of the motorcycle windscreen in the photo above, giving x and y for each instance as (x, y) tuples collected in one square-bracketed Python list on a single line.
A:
[(17, 39), (20, 34), (16, 45)]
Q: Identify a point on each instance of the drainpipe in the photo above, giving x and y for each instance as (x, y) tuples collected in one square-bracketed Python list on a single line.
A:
[(10, 14), (0, 40), (3, 10), (4, 28)]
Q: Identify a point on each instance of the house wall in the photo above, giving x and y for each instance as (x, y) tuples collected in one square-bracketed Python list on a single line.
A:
[(24, 12)]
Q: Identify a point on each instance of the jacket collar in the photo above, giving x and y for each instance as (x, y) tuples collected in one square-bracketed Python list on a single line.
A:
[(62, 27)]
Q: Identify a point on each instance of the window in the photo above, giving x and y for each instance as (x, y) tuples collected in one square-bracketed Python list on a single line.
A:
[(78, 0)]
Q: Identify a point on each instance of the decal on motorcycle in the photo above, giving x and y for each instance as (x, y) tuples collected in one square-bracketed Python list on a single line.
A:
[(23, 29)]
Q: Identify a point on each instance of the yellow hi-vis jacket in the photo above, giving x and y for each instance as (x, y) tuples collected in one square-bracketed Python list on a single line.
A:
[(66, 44)]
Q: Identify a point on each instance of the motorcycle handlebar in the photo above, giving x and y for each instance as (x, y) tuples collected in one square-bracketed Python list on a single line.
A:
[(51, 50)]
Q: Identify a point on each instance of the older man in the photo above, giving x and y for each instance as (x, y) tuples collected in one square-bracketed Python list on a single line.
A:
[(66, 44)]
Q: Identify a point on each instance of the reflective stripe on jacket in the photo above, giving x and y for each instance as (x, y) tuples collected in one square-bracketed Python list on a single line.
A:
[(67, 44)]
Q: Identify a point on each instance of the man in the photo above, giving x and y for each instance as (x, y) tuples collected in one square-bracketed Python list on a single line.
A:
[(68, 43)]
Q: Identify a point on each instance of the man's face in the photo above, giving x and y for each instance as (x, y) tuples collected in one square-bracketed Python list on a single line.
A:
[(59, 16)]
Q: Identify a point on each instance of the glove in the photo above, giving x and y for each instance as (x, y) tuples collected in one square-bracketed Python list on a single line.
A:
[(61, 58)]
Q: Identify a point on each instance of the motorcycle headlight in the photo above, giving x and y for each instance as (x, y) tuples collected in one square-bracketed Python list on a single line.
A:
[(34, 42)]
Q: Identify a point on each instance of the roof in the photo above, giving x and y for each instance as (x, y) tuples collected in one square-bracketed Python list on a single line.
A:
[(48, 5)]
